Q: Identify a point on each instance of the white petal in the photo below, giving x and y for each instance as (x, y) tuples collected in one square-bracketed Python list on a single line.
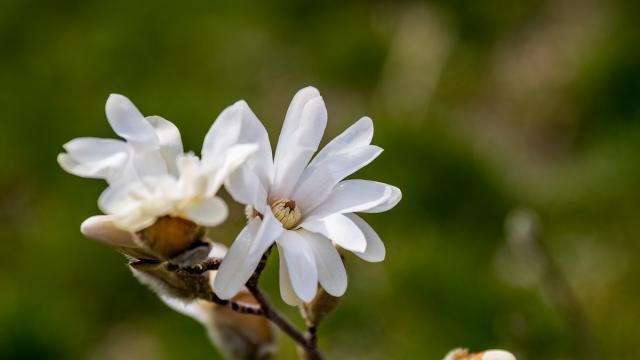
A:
[(394, 198), (89, 149), (236, 268), (108, 169), (170, 141), (102, 228), (317, 182), (299, 139), (298, 255), (293, 118), (357, 135), (331, 272), (128, 122), (375, 251), (237, 124), (234, 157), (95, 158), (209, 211), (286, 289), (354, 196), (149, 162), (223, 133), (338, 228), (244, 255), (245, 187)]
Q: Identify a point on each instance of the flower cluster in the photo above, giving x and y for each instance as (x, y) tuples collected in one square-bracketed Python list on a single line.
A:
[(159, 199)]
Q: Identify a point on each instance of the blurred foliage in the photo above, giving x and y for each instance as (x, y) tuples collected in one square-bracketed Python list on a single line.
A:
[(481, 107)]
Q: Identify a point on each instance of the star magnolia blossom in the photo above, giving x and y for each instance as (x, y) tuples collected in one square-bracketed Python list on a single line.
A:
[(148, 174), (304, 207)]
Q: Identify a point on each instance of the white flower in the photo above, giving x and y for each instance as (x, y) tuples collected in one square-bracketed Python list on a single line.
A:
[(149, 176), (304, 207)]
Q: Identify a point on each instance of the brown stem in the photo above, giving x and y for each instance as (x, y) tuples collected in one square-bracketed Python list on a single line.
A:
[(308, 342), (281, 322)]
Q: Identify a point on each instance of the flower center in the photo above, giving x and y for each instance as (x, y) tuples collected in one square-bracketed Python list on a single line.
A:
[(286, 212)]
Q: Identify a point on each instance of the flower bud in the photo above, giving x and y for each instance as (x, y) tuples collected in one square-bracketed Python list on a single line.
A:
[(319, 308), (170, 236)]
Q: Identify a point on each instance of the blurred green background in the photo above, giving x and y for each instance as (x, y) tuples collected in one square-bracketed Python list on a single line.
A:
[(482, 107)]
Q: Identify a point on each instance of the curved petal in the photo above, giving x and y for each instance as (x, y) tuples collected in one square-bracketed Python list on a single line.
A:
[(90, 149), (331, 272), (286, 289), (318, 181), (244, 255), (102, 228), (223, 133), (355, 196), (234, 157), (209, 211), (237, 124), (299, 139), (170, 141), (357, 135), (394, 198), (108, 168), (95, 158), (300, 261), (375, 251), (246, 188), (128, 122), (339, 229)]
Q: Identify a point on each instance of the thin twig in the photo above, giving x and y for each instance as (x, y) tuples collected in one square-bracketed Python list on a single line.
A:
[(281, 322)]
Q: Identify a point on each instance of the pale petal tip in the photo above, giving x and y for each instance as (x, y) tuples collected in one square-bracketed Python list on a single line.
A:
[(308, 90), (103, 229), (498, 355)]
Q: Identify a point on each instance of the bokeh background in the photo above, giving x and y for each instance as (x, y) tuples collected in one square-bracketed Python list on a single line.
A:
[(482, 107)]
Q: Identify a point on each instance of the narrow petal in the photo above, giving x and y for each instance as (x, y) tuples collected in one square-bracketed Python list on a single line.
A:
[(128, 122), (317, 182), (355, 196), (209, 211), (355, 136), (232, 274), (293, 118), (170, 141), (375, 251), (89, 149), (299, 140), (300, 261), (338, 228), (331, 272), (286, 289), (108, 169), (244, 255)]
